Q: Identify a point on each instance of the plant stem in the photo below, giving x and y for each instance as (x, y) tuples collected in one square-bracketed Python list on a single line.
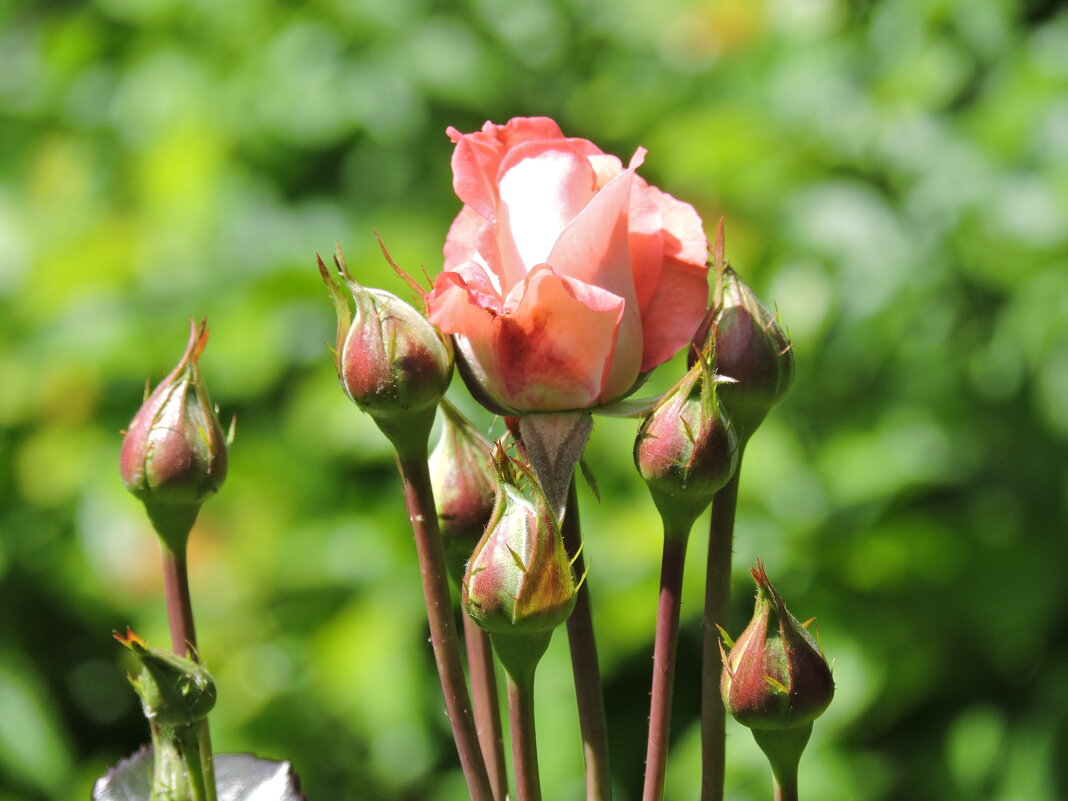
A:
[(524, 741), (179, 603), (585, 665), (486, 707), (785, 792), (207, 759), (717, 613), (168, 774), (783, 748), (184, 643), (419, 500), (667, 636), (200, 789)]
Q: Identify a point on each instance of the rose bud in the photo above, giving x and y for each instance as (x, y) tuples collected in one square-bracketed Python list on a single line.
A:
[(519, 586), (464, 479), (566, 276), (174, 454), (174, 691), (391, 362), (751, 348), (775, 676), (776, 681), (686, 448)]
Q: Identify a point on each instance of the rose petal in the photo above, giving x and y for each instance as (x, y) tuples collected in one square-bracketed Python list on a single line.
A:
[(552, 352), (674, 311), (558, 344), (684, 233), (595, 250), (646, 243), (460, 242), (477, 157), (543, 187)]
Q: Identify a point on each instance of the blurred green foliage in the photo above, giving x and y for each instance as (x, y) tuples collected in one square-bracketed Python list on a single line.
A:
[(894, 175)]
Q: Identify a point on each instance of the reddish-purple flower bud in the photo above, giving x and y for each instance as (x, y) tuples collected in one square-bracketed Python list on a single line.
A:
[(391, 362), (686, 449), (775, 676), (464, 479), (751, 348), (174, 453), (519, 580)]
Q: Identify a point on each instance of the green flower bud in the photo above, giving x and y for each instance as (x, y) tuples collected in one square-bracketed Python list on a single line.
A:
[(391, 362), (174, 454), (174, 691), (775, 676), (519, 579), (464, 481), (751, 348), (686, 448)]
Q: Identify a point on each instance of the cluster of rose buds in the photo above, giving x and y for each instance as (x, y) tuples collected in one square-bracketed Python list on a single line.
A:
[(567, 279)]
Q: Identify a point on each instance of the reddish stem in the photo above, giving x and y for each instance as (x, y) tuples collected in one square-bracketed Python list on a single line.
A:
[(419, 500), (585, 666), (717, 613), (667, 636), (487, 709), (179, 603)]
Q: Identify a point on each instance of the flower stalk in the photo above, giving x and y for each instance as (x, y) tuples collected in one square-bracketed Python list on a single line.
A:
[(396, 366), (664, 652), (585, 665), (716, 615), (419, 501), (486, 706)]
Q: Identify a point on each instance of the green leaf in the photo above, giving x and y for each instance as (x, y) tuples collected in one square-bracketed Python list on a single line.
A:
[(237, 776)]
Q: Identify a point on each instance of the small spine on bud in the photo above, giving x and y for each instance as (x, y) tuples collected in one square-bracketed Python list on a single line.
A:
[(464, 479), (751, 348), (391, 361), (519, 585), (686, 448), (173, 455)]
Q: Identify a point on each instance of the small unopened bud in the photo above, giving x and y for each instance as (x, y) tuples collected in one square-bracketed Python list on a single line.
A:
[(174, 454), (391, 361), (464, 479), (519, 585), (750, 347), (174, 691), (686, 449), (775, 676)]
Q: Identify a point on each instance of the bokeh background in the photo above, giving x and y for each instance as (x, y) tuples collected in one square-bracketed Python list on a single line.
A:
[(894, 175)]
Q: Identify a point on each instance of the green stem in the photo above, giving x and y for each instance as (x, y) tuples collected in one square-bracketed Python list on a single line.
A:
[(168, 776), (524, 740), (783, 748), (419, 499), (486, 706), (717, 613), (664, 651), (207, 759), (585, 666), (785, 792), (201, 781)]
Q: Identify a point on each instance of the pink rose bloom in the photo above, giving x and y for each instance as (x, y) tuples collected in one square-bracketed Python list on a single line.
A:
[(566, 275)]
